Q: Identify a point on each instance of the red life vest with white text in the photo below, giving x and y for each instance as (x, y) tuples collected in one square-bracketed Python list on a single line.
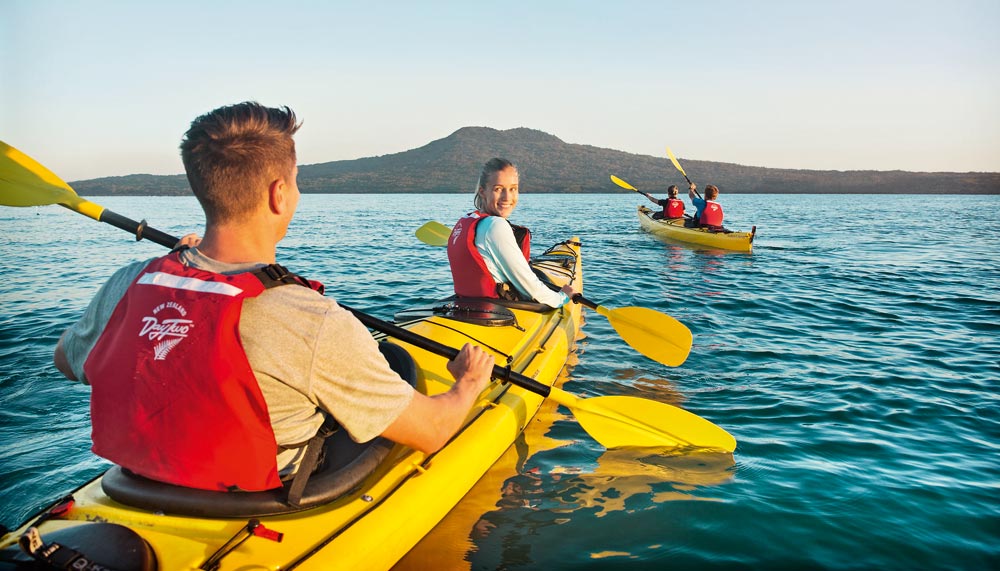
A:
[(674, 208), (174, 398), (468, 269), (711, 215)]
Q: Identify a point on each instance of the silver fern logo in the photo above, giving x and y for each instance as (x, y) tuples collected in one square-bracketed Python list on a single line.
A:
[(168, 332), (161, 349)]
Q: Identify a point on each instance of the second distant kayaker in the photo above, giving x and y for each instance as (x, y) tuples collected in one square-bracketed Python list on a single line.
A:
[(709, 211), (673, 207), (488, 255)]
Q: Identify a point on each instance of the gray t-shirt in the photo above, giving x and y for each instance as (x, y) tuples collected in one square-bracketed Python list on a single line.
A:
[(306, 351)]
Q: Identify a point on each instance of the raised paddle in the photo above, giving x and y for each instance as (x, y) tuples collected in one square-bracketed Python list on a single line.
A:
[(673, 159), (25, 182), (656, 335), (433, 233), (613, 421), (628, 186)]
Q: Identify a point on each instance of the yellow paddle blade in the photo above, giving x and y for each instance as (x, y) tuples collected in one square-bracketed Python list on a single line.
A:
[(622, 183), (656, 335), (617, 421), (25, 182), (433, 234), (673, 159)]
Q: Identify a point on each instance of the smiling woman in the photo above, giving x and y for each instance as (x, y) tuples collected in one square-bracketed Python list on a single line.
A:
[(488, 255)]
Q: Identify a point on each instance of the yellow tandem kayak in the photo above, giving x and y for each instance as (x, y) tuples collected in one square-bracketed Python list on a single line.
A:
[(674, 229), (389, 495)]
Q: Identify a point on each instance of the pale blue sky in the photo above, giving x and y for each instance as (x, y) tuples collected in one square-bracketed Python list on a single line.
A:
[(99, 88)]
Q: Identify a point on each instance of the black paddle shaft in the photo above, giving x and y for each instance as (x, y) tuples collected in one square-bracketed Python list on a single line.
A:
[(501, 373), (140, 229)]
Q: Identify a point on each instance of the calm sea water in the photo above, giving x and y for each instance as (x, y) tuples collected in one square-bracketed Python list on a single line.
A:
[(854, 355)]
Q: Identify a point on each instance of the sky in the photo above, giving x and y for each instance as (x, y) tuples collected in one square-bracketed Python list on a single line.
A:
[(105, 88)]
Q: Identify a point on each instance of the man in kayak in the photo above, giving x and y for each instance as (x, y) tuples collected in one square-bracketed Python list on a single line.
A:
[(488, 255), (708, 213), (673, 207), (212, 365)]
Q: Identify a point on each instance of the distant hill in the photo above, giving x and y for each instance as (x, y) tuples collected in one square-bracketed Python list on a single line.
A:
[(547, 164)]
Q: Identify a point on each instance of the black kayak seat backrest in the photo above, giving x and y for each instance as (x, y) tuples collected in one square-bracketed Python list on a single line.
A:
[(506, 303), (348, 465), (488, 312)]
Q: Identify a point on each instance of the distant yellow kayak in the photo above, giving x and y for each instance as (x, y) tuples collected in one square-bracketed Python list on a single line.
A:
[(675, 230)]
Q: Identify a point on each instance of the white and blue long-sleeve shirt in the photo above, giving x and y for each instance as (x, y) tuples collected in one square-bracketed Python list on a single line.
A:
[(496, 243)]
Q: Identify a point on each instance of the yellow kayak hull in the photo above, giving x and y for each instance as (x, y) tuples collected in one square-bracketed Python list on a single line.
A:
[(409, 492), (674, 230)]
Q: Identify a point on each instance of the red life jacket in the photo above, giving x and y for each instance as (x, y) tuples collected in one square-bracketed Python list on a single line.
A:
[(468, 269), (174, 398), (674, 208), (711, 215)]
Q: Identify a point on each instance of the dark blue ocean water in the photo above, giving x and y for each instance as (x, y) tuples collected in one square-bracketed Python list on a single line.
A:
[(854, 356)]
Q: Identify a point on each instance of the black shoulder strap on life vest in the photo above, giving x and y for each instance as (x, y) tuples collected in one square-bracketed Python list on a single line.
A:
[(520, 234), (276, 275)]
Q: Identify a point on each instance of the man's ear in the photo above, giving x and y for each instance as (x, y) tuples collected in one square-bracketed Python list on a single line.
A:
[(276, 198)]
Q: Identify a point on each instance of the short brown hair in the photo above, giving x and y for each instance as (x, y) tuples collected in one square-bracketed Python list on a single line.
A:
[(711, 192), (232, 153)]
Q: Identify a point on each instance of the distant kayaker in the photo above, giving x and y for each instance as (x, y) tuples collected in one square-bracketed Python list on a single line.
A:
[(709, 211), (489, 255), (673, 207), (211, 366)]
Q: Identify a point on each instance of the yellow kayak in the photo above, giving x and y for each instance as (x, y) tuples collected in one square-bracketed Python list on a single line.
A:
[(367, 509), (674, 229)]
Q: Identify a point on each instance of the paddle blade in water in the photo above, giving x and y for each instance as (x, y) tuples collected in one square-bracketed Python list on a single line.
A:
[(656, 335), (433, 233), (622, 183), (618, 421)]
